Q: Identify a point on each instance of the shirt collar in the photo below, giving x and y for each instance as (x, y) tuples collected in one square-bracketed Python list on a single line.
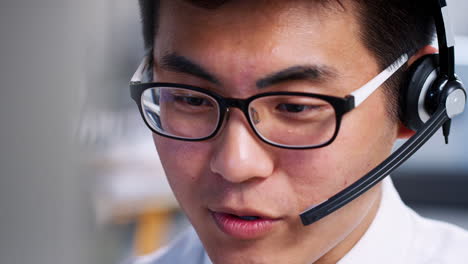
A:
[(388, 238)]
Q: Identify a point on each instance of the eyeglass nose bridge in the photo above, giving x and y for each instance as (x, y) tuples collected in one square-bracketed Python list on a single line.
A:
[(235, 103), (241, 104)]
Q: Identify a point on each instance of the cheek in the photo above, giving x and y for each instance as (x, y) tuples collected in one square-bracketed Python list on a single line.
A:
[(183, 163), (317, 174), (367, 133), (313, 175), (368, 137)]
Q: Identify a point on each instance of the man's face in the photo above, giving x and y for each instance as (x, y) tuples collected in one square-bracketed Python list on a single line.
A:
[(235, 173)]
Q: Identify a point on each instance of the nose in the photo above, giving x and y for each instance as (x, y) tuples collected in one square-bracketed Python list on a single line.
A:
[(239, 155)]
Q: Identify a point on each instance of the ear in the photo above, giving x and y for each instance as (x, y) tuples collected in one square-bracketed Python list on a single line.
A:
[(423, 51), (404, 132)]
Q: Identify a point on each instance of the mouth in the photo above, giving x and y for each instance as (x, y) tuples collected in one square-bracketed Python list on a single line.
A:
[(245, 226), (249, 218)]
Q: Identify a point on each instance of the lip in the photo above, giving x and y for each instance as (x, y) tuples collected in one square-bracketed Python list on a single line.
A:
[(229, 223)]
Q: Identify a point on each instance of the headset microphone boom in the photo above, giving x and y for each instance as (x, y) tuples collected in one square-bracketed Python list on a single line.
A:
[(434, 96)]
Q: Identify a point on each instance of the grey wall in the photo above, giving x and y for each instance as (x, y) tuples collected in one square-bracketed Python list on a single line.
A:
[(46, 212), (458, 11)]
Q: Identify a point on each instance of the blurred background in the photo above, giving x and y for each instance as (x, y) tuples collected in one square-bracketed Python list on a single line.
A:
[(80, 180)]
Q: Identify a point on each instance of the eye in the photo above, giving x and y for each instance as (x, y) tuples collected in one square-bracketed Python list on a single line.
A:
[(296, 108), (192, 100)]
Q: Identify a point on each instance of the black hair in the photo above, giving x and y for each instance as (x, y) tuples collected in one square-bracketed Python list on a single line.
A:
[(389, 28)]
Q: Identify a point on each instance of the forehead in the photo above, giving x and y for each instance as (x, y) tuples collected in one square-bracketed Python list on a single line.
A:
[(254, 19), (257, 37)]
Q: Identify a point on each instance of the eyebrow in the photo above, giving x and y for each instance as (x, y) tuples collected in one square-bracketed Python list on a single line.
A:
[(317, 73), (177, 63)]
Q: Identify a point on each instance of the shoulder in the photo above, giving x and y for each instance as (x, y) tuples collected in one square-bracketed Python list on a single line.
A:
[(186, 247), (439, 242)]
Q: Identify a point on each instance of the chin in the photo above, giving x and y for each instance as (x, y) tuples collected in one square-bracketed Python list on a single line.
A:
[(247, 256)]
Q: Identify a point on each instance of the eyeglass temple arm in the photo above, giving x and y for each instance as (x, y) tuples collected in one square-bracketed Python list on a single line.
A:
[(138, 75), (361, 94)]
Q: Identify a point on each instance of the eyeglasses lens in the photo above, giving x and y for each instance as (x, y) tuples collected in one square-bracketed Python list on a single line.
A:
[(295, 121), (181, 113)]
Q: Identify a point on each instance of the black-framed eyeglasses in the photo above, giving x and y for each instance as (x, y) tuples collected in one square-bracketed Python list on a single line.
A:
[(292, 120)]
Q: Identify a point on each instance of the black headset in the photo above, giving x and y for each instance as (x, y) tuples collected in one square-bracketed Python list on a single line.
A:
[(432, 96)]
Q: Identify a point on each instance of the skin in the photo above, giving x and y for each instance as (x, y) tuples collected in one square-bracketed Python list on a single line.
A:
[(239, 43)]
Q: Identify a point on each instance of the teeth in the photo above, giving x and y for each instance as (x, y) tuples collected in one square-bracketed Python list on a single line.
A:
[(249, 218)]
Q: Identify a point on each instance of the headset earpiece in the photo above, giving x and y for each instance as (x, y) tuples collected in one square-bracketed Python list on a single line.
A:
[(422, 75)]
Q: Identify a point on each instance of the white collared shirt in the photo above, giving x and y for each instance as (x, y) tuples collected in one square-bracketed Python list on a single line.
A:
[(396, 235)]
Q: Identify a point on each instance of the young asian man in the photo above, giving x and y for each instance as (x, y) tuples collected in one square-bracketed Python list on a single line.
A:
[(250, 132)]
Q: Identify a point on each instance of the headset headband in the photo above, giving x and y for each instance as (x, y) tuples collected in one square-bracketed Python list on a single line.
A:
[(445, 38)]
